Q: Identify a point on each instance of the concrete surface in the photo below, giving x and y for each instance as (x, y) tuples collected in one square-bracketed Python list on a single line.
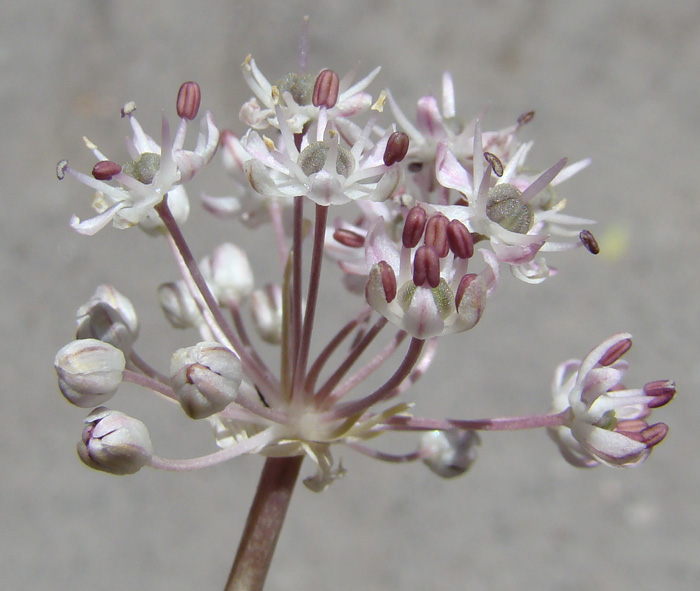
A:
[(614, 80)]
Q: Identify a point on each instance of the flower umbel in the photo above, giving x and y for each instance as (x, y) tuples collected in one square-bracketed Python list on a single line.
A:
[(430, 212)]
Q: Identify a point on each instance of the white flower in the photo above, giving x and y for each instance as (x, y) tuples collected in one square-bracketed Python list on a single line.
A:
[(325, 171), (422, 284), (607, 423), (293, 94), (151, 173)]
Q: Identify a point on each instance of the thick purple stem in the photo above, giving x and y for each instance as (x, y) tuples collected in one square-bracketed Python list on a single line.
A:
[(264, 524)]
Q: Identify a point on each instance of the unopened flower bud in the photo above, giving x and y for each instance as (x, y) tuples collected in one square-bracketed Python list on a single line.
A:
[(396, 148), (326, 89), (108, 316), (228, 272), (178, 305), (105, 170), (114, 442), (266, 308), (89, 371), (205, 378), (189, 98), (449, 453)]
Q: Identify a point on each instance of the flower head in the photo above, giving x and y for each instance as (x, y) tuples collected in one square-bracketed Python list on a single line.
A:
[(126, 195), (608, 422)]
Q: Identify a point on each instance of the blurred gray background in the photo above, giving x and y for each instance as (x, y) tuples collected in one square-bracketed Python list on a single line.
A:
[(617, 81)]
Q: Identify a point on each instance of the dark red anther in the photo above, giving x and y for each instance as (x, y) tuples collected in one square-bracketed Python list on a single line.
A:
[(436, 234), (189, 98), (496, 164), (388, 280), (654, 434), (589, 242), (413, 227), (426, 267), (396, 148), (460, 240), (349, 238), (615, 352), (662, 391), (105, 170), (464, 283), (526, 118), (326, 90)]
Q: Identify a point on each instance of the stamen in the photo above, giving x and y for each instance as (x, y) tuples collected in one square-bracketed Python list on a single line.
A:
[(61, 169), (396, 148), (464, 284), (326, 90), (349, 238), (662, 391), (413, 227), (426, 267), (525, 118), (388, 280), (189, 97), (460, 240), (105, 170), (496, 164), (436, 235), (615, 352), (655, 434), (589, 242)]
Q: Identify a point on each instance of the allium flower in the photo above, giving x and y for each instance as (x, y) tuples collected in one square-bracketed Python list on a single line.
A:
[(423, 285), (293, 93), (151, 173), (323, 170), (502, 212), (608, 422)]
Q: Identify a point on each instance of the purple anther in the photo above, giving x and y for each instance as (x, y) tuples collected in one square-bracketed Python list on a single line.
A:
[(426, 267), (662, 391), (460, 240), (615, 352), (326, 90), (496, 164), (105, 170), (526, 118), (413, 227), (396, 148), (436, 234), (388, 280), (654, 434), (589, 241), (349, 238), (464, 283), (189, 98)]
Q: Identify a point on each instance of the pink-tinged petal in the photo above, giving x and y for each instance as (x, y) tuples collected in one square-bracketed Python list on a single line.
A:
[(429, 118), (592, 359), (570, 171), (221, 206), (379, 247), (260, 180), (354, 105), (403, 122), (572, 450), (533, 272), (518, 254), (448, 96), (93, 225), (326, 189), (543, 180), (422, 318), (188, 163), (450, 173), (388, 184), (610, 447)]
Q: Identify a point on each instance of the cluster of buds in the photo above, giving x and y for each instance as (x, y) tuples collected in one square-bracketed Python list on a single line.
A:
[(438, 208)]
